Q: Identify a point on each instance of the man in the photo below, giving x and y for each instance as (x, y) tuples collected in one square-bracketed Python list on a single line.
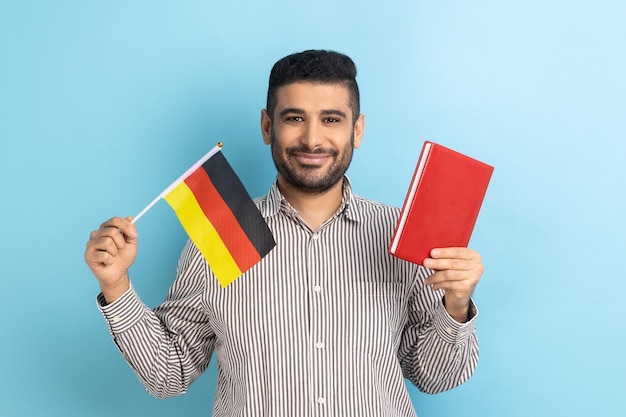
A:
[(327, 323)]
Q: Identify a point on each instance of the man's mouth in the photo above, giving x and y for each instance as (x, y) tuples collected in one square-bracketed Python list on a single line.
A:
[(311, 159)]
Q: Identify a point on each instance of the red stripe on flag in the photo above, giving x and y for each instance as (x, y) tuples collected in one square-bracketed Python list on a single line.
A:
[(223, 219)]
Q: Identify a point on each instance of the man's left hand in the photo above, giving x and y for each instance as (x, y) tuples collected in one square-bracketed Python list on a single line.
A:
[(458, 270)]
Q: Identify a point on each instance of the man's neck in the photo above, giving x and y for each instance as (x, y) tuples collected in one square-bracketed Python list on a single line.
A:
[(313, 208)]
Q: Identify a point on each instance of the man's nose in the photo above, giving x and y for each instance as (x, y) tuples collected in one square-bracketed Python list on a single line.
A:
[(312, 135)]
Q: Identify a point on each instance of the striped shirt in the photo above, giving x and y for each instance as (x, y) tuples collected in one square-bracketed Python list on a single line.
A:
[(327, 324)]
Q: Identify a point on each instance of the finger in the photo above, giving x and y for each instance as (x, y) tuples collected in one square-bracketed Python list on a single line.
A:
[(100, 239), (452, 281), (458, 290), (100, 258), (454, 252), (442, 264), (447, 276), (124, 226), (103, 244)]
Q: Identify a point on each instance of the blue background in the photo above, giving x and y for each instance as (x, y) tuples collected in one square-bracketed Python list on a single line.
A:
[(104, 103)]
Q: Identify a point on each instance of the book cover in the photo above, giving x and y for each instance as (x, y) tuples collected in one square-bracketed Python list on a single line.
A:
[(442, 203)]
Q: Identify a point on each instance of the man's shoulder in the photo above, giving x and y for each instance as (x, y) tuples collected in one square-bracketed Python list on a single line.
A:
[(260, 200), (368, 203), (367, 208), (266, 205)]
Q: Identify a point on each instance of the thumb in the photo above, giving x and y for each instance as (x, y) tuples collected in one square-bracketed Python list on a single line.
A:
[(129, 230)]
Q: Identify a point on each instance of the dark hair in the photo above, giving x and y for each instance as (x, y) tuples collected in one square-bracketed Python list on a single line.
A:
[(316, 66)]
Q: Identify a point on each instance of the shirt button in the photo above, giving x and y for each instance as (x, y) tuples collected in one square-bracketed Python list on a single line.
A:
[(319, 345), (321, 400), (449, 330), (317, 288), (315, 237), (116, 319)]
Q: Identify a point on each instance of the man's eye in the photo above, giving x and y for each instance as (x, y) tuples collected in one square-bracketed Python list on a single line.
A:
[(331, 120), (294, 119)]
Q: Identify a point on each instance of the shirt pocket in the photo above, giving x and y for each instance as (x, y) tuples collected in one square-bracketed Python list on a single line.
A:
[(375, 317)]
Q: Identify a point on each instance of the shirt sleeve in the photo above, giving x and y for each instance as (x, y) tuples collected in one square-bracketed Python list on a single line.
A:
[(436, 352), (169, 347)]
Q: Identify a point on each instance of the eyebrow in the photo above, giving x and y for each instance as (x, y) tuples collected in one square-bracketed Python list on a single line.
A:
[(291, 110), (334, 113), (329, 112)]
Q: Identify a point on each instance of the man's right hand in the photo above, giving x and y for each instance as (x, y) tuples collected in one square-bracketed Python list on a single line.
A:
[(111, 250)]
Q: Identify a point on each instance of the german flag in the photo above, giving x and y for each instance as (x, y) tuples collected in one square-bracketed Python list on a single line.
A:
[(221, 219)]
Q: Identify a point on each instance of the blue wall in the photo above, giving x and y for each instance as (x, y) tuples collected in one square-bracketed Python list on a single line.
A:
[(103, 103)]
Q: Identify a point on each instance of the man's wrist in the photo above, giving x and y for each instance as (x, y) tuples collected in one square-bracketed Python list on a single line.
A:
[(113, 292), (461, 315)]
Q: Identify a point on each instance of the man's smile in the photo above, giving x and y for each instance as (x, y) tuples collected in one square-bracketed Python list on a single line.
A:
[(311, 159)]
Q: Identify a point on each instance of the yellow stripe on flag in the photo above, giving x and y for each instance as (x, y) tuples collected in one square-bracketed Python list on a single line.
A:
[(203, 234)]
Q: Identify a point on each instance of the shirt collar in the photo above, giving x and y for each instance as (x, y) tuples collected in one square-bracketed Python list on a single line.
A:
[(274, 201)]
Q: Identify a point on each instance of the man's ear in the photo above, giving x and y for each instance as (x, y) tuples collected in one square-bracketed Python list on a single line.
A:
[(359, 129), (266, 127)]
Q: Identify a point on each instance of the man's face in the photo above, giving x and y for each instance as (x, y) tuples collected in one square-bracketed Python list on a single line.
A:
[(312, 135)]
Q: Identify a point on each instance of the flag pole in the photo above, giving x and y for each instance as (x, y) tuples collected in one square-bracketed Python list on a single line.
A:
[(180, 179)]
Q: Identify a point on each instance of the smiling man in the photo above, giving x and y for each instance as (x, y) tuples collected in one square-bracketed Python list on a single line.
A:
[(312, 133), (328, 323)]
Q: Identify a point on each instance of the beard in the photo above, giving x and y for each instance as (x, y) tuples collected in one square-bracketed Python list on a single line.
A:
[(308, 179)]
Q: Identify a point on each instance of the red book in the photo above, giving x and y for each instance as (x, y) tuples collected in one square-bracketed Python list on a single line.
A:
[(442, 204)]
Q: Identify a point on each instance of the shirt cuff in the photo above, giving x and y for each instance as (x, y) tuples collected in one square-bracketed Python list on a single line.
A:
[(451, 330), (122, 313)]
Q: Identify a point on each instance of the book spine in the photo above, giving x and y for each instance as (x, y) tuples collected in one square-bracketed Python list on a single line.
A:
[(408, 201)]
